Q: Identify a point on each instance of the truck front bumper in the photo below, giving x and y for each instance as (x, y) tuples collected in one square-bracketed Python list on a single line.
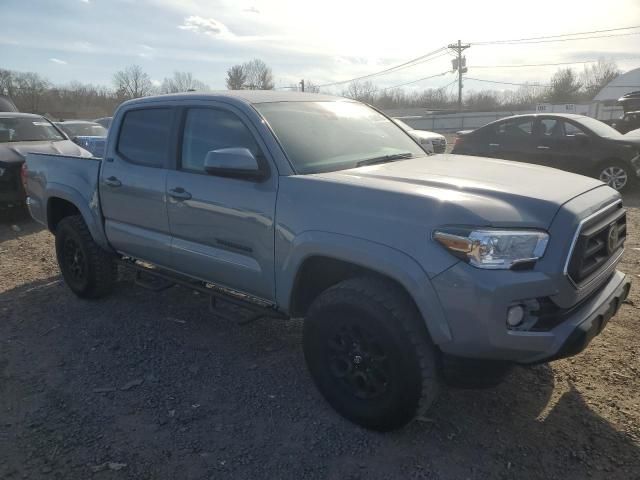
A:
[(476, 310)]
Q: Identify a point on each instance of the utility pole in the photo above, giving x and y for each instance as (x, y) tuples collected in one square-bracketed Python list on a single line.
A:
[(302, 84), (459, 64)]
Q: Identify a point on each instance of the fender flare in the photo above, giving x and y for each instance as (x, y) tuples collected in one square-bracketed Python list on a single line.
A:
[(89, 208), (371, 255)]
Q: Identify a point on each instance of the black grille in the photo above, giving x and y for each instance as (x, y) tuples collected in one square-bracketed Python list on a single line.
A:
[(439, 145), (600, 239)]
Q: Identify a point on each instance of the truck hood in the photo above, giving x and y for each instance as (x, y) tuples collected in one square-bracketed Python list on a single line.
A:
[(15, 152), (478, 190)]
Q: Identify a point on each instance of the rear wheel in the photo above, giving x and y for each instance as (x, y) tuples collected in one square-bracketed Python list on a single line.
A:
[(615, 174), (369, 354), (87, 269)]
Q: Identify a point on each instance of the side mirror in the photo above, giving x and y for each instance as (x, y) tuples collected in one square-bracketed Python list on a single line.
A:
[(233, 163)]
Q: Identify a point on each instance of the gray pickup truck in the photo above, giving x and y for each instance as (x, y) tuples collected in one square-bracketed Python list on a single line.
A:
[(317, 207)]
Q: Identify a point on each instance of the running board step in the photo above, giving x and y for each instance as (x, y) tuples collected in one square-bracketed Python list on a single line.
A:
[(151, 282), (226, 303)]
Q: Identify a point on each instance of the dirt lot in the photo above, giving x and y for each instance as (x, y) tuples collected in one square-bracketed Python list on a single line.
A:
[(152, 385)]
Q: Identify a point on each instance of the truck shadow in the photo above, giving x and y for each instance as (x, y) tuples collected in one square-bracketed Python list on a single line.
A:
[(208, 390), (15, 226)]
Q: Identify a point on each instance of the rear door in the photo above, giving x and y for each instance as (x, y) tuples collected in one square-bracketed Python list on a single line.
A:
[(222, 228), (512, 139), (133, 182)]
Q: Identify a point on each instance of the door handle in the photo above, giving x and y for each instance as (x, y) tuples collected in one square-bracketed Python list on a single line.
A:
[(113, 182), (179, 193), (543, 147), (494, 144)]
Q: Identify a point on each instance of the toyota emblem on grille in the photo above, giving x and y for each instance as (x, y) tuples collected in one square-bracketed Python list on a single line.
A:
[(612, 238)]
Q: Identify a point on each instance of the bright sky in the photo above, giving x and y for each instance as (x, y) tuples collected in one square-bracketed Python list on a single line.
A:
[(324, 41)]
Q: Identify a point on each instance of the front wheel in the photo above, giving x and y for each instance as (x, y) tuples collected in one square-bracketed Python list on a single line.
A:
[(87, 269), (615, 174), (369, 353)]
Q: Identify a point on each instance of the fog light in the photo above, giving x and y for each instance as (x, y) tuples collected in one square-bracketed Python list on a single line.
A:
[(515, 315)]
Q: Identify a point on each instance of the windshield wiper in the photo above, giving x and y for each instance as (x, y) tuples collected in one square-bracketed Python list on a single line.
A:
[(384, 159)]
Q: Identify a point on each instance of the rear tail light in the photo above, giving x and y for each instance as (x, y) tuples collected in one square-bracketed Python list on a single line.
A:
[(458, 141), (23, 175)]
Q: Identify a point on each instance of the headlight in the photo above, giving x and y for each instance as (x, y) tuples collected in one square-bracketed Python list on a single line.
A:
[(1, 171), (494, 249)]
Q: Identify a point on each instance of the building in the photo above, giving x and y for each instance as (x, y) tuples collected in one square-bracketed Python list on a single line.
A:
[(605, 104)]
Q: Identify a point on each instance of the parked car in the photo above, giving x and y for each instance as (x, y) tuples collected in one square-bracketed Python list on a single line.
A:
[(21, 133), (82, 128), (633, 133), (629, 121), (575, 143), (290, 204), (431, 142), (104, 121), (89, 135)]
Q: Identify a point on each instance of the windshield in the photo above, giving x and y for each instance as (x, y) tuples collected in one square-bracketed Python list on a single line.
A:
[(84, 129), (326, 136), (599, 128), (27, 129)]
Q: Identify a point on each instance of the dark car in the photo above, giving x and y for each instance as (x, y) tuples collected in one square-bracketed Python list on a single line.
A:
[(7, 105), (21, 133), (575, 143), (628, 122)]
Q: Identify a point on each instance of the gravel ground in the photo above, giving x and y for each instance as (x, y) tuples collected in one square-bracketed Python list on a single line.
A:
[(152, 385)]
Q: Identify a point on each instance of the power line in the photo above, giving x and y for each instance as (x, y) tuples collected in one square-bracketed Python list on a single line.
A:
[(506, 83), (564, 39), (410, 63), (526, 40), (533, 64), (414, 81)]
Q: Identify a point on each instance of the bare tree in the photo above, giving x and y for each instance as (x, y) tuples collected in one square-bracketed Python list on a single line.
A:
[(182, 82), (361, 91), (132, 82), (595, 77), (236, 78), (259, 75), (7, 83), (29, 88)]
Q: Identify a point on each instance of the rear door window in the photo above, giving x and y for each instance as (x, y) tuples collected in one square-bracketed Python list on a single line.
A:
[(145, 136), (550, 127), (516, 128)]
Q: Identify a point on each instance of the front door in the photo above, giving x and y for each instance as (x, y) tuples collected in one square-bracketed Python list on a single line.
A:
[(222, 228), (133, 182)]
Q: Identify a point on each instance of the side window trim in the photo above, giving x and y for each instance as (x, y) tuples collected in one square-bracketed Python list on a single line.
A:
[(182, 122), (172, 140)]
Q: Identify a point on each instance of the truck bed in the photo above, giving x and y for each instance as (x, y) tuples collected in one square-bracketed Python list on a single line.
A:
[(65, 178)]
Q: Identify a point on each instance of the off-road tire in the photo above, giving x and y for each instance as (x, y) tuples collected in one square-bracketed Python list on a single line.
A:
[(386, 313), (99, 271)]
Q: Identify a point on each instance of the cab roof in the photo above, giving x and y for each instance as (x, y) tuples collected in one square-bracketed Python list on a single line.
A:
[(245, 96)]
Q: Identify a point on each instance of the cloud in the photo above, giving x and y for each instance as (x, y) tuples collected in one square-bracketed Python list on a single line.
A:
[(205, 26), (251, 9), (58, 61), (84, 1)]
